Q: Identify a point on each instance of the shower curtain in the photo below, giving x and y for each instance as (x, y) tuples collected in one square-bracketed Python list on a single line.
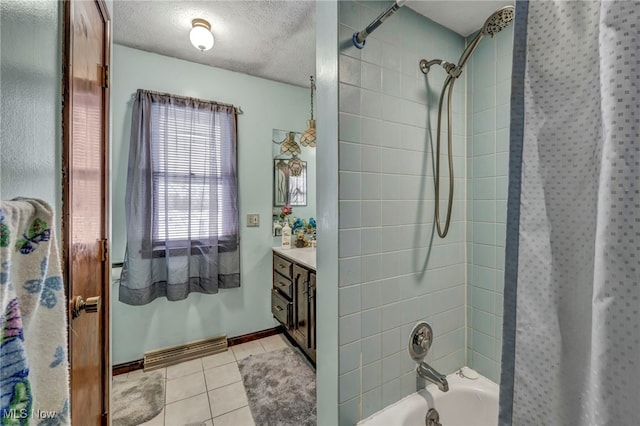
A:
[(571, 336)]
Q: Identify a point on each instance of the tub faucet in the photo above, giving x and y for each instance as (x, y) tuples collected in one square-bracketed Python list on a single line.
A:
[(427, 372)]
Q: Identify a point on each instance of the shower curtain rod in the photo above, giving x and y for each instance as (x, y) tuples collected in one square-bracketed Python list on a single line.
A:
[(238, 109)]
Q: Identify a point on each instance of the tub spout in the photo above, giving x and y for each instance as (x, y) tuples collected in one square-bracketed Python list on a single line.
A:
[(427, 372)]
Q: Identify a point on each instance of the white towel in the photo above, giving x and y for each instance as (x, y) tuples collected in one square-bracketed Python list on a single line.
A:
[(34, 373)]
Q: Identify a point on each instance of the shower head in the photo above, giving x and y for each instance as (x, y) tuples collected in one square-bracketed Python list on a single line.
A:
[(498, 20), (495, 23)]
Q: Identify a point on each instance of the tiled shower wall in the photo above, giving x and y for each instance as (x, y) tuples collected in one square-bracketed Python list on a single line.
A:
[(392, 273), (488, 103)]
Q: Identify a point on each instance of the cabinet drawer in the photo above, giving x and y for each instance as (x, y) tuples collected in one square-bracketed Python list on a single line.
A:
[(283, 284), (281, 309), (282, 266)]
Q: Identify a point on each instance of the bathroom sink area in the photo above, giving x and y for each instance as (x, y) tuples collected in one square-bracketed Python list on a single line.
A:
[(293, 293), (303, 256)]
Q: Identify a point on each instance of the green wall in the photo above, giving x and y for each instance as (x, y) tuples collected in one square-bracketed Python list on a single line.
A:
[(266, 105), (30, 101)]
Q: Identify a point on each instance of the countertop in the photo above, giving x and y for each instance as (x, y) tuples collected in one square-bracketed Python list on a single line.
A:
[(304, 256)]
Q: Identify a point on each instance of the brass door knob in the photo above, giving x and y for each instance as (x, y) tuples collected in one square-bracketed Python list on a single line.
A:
[(78, 304)]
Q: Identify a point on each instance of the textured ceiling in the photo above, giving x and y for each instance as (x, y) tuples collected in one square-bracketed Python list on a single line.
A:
[(272, 39), (268, 39), (461, 16)]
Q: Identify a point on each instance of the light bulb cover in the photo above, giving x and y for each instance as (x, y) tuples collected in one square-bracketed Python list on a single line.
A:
[(308, 137), (200, 35), (295, 166)]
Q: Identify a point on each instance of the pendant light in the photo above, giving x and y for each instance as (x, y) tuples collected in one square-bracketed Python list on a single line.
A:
[(309, 136), (289, 145)]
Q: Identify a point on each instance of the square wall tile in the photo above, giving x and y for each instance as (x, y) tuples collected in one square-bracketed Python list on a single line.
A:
[(371, 402), (349, 386), (349, 99), (349, 215), (349, 271), (371, 216), (372, 53), (371, 376), (349, 70), (349, 128), (349, 412), (391, 82), (349, 242), (349, 159), (391, 342), (349, 328), (349, 357), (350, 185), (372, 104), (391, 392), (350, 13), (371, 77), (346, 45), (371, 322), (370, 268), (349, 300), (371, 349)]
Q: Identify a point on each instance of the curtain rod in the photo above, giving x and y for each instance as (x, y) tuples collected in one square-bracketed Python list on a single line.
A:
[(238, 109)]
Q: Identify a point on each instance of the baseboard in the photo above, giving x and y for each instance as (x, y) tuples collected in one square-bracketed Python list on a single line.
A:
[(138, 364), (128, 367), (232, 341)]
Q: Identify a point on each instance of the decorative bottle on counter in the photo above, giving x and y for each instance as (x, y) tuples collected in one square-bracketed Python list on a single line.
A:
[(286, 236)]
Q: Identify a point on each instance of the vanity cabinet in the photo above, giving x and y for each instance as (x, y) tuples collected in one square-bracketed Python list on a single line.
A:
[(293, 301)]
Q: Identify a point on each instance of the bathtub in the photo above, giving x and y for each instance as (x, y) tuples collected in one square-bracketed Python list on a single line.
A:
[(468, 403)]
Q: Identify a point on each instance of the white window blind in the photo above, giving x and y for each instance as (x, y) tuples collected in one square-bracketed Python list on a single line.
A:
[(193, 196)]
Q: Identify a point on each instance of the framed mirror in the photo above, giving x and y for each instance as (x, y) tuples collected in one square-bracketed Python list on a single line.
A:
[(287, 187), (294, 170)]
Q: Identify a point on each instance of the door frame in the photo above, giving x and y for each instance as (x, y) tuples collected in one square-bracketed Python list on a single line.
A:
[(67, 137)]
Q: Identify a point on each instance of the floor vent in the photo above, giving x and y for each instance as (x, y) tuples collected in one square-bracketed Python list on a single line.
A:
[(177, 354)]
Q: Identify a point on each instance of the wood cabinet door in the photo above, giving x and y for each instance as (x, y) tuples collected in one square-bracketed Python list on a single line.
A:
[(312, 315), (301, 285), (85, 206)]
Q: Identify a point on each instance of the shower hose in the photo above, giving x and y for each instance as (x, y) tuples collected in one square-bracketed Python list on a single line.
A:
[(449, 82)]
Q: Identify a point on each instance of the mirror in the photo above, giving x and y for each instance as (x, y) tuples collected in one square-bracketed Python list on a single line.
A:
[(287, 187), (293, 178)]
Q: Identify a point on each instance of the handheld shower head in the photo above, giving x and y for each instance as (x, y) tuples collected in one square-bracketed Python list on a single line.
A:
[(498, 20), (495, 23)]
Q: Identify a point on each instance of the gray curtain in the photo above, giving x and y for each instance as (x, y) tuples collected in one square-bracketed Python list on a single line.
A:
[(181, 199), (571, 336)]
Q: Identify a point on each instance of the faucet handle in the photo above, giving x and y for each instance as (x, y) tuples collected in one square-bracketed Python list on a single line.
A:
[(420, 341)]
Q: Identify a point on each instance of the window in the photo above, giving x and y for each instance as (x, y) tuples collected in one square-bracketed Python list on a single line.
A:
[(194, 192), (182, 199)]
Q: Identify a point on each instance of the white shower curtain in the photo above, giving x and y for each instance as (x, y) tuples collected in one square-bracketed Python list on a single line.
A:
[(571, 337)]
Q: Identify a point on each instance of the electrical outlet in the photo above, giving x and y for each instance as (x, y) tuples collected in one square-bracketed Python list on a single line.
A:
[(253, 220)]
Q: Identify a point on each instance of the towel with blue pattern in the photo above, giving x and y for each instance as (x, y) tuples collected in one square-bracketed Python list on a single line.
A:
[(34, 376)]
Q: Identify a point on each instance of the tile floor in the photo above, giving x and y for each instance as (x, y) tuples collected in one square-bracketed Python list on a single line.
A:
[(209, 391)]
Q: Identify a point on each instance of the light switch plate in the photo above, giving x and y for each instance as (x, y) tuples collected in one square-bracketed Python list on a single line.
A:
[(253, 220)]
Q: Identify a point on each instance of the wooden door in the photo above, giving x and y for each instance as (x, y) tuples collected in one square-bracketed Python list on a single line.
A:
[(85, 205)]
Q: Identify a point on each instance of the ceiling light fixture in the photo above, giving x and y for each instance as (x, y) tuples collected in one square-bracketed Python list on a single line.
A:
[(309, 136), (200, 35)]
